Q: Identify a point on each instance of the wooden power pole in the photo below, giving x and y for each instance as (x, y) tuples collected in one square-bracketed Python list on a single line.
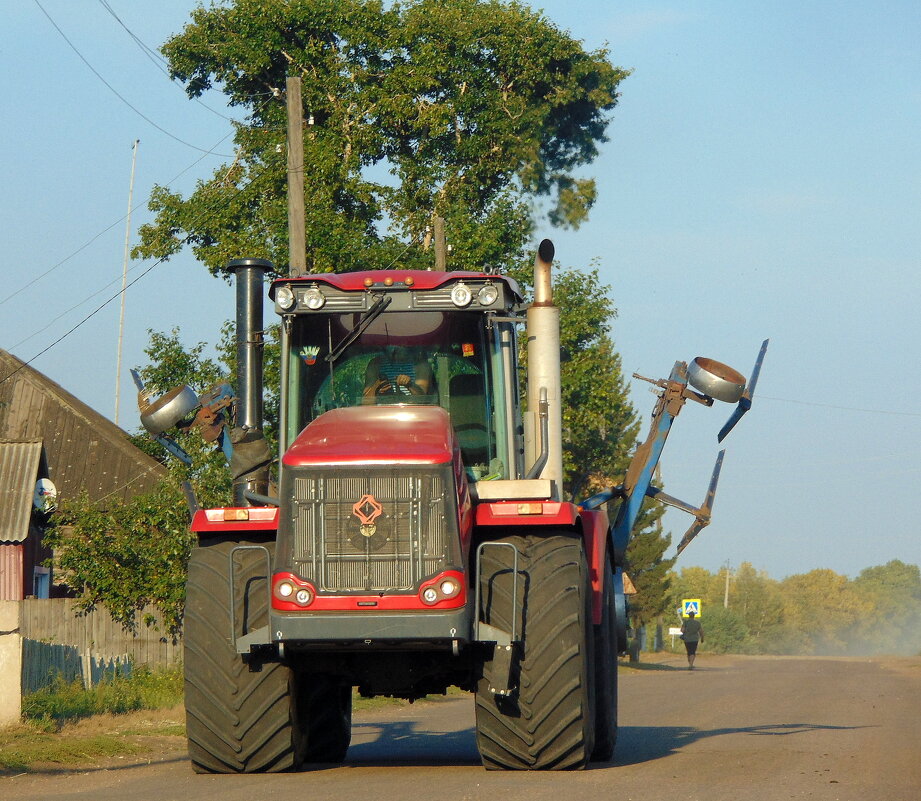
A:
[(297, 237), (441, 255)]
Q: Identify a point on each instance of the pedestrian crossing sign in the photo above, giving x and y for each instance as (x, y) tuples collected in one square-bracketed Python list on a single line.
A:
[(689, 605)]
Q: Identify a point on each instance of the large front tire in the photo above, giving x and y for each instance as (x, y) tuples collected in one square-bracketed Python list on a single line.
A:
[(547, 724), (238, 720)]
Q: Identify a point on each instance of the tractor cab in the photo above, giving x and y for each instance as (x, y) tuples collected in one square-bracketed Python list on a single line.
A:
[(366, 340)]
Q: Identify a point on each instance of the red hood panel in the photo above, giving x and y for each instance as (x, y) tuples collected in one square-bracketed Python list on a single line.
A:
[(375, 435)]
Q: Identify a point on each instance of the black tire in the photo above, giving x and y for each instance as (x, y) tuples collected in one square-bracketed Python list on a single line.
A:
[(325, 714), (548, 723), (606, 675), (238, 720)]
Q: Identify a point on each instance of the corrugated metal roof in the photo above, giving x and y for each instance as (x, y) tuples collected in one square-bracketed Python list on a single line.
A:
[(19, 463), (85, 450)]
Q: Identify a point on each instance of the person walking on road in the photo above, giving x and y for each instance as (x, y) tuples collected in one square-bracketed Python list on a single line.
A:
[(692, 632)]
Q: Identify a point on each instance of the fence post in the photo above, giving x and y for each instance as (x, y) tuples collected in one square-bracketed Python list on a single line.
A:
[(10, 662)]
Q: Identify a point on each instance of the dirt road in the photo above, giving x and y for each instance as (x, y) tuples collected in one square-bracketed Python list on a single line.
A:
[(736, 728)]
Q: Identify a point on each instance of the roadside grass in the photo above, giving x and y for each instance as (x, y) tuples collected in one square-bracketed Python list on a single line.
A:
[(66, 725), (24, 746), (51, 707)]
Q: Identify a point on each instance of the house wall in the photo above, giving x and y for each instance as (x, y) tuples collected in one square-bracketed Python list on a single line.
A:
[(11, 571), (10, 663)]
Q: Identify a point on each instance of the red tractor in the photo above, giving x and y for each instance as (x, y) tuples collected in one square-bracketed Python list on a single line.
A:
[(419, 538)]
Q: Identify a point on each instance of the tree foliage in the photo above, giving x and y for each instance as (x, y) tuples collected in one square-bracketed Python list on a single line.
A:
[(460, 108), (126, 555), (819, 612)]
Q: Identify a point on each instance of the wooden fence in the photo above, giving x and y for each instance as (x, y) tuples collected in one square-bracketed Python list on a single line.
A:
[(59, 640)]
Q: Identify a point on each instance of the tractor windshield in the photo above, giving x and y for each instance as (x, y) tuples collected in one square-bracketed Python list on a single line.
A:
[(450, 359)]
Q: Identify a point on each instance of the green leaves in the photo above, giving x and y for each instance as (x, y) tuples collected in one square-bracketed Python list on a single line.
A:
[(127, 555), (458, 108), (819, 612)]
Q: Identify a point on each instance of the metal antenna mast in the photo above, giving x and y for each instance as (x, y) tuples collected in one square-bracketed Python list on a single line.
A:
[(121, 317)]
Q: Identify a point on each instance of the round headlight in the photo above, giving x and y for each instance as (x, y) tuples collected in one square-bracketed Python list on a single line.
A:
[(429, 595), (285, 589), (461, 295), (284, 297), (488, 295), (313, 299), (448, 588), (303, 596)]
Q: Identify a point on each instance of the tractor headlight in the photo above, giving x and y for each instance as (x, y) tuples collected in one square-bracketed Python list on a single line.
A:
[(284, 297), (313, 299), (487, 295), (461, 295)]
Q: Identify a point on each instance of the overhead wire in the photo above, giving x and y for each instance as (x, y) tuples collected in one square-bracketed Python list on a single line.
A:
[(108, 228), (106, 286), (156, 59), (117, 93)]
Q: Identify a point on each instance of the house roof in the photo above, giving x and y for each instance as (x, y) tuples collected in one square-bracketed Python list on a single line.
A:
[(85, 451), (20, 463)]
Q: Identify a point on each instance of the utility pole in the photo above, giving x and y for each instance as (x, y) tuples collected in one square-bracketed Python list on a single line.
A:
[(726, 592), (441, 257), (297, 236), (121, 317)]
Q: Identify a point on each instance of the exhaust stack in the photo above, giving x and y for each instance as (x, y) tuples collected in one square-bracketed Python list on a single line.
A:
[(251, 456), (543, 319)]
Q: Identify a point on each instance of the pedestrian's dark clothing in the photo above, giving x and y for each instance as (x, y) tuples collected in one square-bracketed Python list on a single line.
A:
[(690, 630)]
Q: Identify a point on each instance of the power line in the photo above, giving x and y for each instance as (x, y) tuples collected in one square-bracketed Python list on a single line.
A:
[(840, 408), (116, 92), (103, 231), (156, 59), (85, 319)]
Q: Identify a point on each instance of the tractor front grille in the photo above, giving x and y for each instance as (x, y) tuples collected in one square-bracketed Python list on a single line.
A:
[(377, 530)]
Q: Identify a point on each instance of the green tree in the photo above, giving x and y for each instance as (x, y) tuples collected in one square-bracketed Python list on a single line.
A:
[(824, 607), (648, 568), (893, 592), (600, 424), (465, 109), (126, 555), (725, 631)]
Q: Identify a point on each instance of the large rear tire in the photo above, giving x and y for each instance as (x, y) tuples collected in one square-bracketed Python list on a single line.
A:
[(547, 724), (238, 720), (606, 674)]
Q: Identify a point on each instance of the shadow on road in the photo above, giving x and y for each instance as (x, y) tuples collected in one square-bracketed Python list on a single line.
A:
[(406, 743), (637, 744)]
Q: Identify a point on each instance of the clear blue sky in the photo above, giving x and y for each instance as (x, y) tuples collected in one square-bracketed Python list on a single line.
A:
[(761, 180)]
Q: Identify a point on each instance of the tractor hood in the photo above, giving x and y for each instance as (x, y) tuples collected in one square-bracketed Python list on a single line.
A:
[(378, 435)]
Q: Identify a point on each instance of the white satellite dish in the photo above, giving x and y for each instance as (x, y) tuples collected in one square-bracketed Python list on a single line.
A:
[(45, 496)]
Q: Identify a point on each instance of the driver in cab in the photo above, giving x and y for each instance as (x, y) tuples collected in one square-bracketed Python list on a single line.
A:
[(397, 376)]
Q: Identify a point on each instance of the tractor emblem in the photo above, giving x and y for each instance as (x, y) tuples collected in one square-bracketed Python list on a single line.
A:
[(367, 510)]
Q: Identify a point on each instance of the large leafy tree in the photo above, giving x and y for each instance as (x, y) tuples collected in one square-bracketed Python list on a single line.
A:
[(465, 109)]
